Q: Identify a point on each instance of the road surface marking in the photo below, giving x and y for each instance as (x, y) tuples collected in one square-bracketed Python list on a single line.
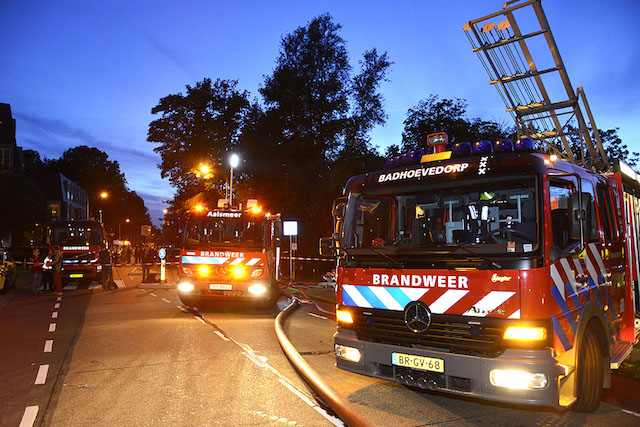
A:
[(54, 315), (120, 283), (318, 316), (52, 327), (218, 333), (333, 420), (153, 294), (201, 319), (184, 310), (166, 300), (71, 287), (143, 290), (95, 285), (41, 378), (56, 305), (29, 417), (48, 346), (59, 299), (631, 412)]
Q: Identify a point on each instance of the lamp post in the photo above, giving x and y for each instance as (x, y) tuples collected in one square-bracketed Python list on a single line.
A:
[(103, 196), (233, 161)]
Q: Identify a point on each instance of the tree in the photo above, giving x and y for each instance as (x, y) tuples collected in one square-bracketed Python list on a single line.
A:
[(433, 115), (314, 126), (200, 127)]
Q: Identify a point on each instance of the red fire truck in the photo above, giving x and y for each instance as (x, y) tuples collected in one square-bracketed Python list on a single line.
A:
[(79, 242), (489, 271), (230, 254)]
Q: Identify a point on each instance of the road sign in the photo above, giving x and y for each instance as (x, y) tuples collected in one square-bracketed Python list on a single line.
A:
[(290, 228), (162, 253)]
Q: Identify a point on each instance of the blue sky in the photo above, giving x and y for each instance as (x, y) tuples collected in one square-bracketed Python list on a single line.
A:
[(79, 72)]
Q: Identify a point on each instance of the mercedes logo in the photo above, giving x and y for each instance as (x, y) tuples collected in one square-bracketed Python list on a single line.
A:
[(417, 316)]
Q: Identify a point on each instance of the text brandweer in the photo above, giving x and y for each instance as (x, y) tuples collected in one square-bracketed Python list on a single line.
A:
[(424, 280)]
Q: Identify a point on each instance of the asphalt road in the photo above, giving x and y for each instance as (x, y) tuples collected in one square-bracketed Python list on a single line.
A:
[(136, 357)]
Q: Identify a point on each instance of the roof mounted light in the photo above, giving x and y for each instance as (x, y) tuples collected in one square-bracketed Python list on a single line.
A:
[(525, 144), (462, 149), (408, 158), (438, 141), (503, 145), (483, 147)]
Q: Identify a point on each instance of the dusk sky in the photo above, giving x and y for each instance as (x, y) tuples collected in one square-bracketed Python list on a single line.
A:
[(89, 72)]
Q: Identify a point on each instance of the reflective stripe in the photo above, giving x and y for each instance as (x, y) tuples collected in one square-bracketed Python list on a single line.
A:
[(447, 300), (489, 303)]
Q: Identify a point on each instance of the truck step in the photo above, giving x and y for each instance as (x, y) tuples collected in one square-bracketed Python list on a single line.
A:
[(619, 353)]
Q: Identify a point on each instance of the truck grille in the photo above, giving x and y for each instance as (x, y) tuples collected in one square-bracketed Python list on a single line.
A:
[(447, 332)]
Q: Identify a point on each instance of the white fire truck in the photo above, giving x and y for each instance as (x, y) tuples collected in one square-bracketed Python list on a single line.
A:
[(493, 270), (230, 254)]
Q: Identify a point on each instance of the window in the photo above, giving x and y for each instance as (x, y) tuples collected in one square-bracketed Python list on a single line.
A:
[(606, 213), (560, 198)]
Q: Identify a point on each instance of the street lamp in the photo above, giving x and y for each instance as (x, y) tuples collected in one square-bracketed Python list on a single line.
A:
[(234, 160), (103, 195)]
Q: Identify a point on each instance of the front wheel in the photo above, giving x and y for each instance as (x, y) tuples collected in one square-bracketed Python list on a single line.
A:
[(590, 373)]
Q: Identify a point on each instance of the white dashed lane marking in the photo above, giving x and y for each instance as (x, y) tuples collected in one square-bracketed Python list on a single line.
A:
[(29, 417), (166, 300), (222, 337), (54, 315), (59, 299), (317, 315), (56, 305), (153, 294), (52, 327), (41, 378), (48, 346)]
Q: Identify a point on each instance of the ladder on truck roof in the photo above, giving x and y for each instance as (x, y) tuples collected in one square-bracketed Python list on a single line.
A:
[(552, 114)]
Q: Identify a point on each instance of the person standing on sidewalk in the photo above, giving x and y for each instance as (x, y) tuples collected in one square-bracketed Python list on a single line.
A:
[(104, 258), (56, 266), (47, 274), (36, 271)]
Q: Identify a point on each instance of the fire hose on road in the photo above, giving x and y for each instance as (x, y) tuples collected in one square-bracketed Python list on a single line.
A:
[(340, 405)]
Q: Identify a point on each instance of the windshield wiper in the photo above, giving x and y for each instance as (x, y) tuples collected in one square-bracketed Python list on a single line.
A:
[(483, 257), (397, 263)]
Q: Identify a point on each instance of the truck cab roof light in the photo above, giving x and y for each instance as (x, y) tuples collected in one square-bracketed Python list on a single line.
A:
[(408, 158), (462, 149), (503, 145), (525, 144), (483, 147)]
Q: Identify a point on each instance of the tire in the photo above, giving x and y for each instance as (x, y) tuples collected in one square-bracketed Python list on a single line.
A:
[(590, 373)]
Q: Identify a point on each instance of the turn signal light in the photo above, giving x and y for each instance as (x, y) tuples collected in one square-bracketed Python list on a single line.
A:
[(525, 333), (344, 316), (237, 272), (204, 270)]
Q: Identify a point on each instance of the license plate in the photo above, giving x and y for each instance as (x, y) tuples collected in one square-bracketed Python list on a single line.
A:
[(418, 362), (220, 287), (76, 275)]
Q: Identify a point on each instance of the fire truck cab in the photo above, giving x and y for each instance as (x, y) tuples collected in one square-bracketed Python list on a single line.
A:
[(79, 242), (230, 254), (489, 271)]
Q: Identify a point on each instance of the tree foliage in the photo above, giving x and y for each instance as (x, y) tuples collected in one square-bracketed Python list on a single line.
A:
[(433, 115)]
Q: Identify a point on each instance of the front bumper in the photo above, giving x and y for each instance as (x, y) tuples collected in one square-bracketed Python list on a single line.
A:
[(80, 272), (463, 375), (239, 290)]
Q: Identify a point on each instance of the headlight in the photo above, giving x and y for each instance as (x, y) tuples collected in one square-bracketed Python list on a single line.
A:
[(257, 289), (349, 353), (237, 272), (517, 380), (344, 316), (256, 273), (186, 287), (525, 333)]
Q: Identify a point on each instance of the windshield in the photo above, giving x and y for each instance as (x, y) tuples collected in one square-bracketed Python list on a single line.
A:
[(493, 217), (225, 231), (76, 234)]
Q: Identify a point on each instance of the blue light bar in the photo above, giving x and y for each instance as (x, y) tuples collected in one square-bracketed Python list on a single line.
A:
[(388, 164), (483, 147), (525, 144), (504, 145), (461, 149), (408, 158), (416, 156)]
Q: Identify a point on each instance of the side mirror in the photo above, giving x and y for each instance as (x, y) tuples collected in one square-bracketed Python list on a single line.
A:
[(326, 247), (580, 216)]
